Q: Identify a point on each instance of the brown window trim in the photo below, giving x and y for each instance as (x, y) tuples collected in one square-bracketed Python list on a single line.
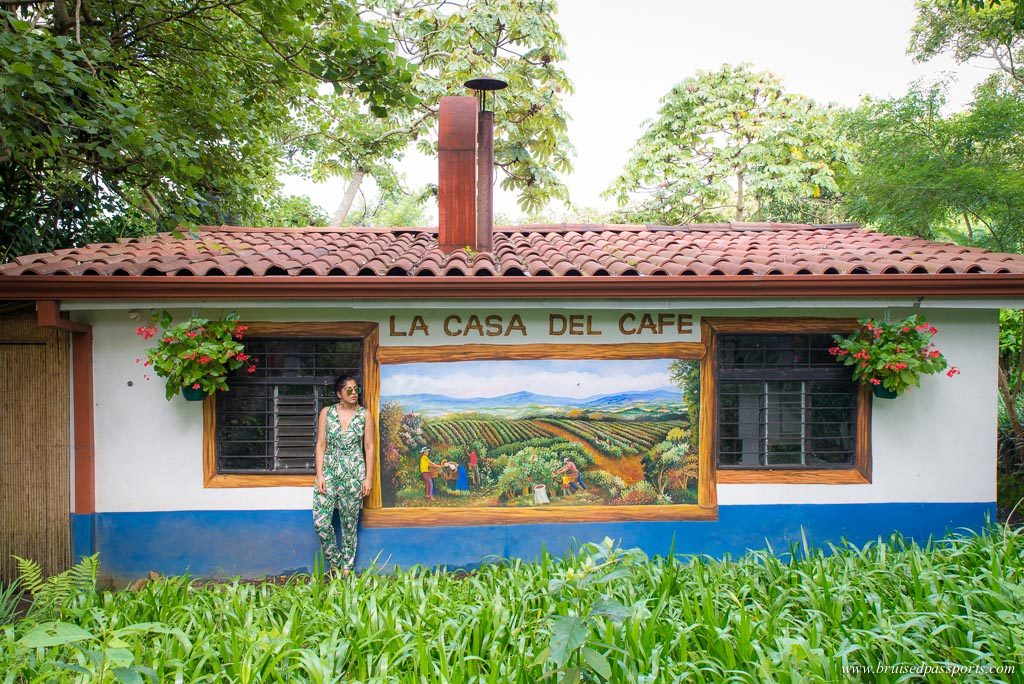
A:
[(860, 473), (371, 383), (706, 507)]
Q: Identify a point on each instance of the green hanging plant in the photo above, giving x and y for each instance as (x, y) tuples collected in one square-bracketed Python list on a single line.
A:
[(197, 354)]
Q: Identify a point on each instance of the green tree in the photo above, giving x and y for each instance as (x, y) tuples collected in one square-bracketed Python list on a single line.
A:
[(451, 42), (970, 30), (168, 111), (731, 145), (399, 208), (958, 177), (1011, 374), (291, 211)]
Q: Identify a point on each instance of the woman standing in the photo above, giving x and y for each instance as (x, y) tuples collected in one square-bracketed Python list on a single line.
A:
[(344, 473)]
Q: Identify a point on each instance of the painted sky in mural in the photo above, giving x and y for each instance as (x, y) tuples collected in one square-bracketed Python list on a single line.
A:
[(539, 433)]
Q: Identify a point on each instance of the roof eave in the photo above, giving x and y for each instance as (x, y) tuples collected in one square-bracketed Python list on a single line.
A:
[(477, 287)]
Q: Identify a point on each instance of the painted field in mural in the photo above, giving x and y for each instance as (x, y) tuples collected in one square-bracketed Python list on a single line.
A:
[(539, 433)]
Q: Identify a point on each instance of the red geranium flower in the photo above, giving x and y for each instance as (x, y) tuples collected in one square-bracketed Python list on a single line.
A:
[(195, 385)]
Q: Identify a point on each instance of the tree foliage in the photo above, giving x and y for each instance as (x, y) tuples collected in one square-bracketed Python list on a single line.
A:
[(958, 177), (115, 113), (289, 211), (972, 29), (731, 145), (400, 208), (451, 42)]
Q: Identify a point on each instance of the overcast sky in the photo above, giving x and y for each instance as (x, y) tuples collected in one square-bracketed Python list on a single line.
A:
[(480, 379), (622, 62)]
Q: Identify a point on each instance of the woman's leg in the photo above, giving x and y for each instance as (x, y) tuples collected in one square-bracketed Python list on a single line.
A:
[(323, 512), (350, 502)]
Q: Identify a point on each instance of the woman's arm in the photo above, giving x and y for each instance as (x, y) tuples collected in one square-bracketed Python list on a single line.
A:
[(368, 450), (321, 447)]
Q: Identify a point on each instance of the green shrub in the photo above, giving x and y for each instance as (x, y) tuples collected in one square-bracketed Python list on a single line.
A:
[(612, 484), (600, 614)]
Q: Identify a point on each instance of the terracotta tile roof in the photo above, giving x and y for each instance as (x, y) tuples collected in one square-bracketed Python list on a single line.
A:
[(559, 250)]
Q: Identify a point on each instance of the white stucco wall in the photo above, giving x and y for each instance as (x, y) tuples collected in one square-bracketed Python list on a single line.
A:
[(934, 444)]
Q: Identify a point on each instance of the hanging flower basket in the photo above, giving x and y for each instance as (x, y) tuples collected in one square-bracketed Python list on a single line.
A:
[(882, 393), (196, 355), (891, 357), (193, 394)]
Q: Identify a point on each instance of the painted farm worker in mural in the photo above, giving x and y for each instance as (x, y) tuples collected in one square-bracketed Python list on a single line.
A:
[(461, 480), (571, 479), (427, 470), (474, 469), (344, 473)]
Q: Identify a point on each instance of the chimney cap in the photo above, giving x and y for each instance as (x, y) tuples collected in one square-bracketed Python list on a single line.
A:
[(486, 83)]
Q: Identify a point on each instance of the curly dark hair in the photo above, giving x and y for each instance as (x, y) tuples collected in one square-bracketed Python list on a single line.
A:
[(340, 381)]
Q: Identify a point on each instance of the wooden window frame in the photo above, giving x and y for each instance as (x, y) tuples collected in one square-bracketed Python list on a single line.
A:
[(860, 473), (369, 333), (706, 507)]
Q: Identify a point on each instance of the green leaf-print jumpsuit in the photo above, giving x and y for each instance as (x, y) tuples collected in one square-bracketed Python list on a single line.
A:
[(344, 473)]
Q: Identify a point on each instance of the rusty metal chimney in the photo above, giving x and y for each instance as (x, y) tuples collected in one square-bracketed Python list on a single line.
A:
[(465, 161), (456, 173)]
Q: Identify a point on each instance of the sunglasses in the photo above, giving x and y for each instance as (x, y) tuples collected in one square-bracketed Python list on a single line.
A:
[(351, 390)]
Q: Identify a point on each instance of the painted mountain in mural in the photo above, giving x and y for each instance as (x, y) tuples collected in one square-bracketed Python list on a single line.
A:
[(436, 402)]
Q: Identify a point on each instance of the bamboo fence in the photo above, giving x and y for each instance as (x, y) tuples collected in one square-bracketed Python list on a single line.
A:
[(35, 449)]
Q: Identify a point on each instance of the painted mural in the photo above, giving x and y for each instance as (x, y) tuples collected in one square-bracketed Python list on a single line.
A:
[(539, 433)]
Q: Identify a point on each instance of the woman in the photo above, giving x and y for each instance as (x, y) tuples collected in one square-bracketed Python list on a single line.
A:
[(344, 473)]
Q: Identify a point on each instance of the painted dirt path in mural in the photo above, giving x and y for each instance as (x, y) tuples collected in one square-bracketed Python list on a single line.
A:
[(629, 469)]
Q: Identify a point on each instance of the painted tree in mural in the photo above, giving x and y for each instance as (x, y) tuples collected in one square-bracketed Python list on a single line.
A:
[(391, 447), (672, 463), (451, 42), (685, 374), (732, 145), (118, 117)]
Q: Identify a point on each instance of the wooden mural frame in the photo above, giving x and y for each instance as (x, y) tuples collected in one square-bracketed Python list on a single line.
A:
[(706, 507)]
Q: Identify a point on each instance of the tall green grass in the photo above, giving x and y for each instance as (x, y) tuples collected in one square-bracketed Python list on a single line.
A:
[(798, 616)]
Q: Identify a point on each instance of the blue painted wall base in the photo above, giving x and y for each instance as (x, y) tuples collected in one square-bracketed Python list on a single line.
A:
[(83, 535), (280, 542)]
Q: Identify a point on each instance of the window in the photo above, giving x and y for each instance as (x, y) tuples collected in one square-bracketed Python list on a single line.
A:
[(785, 411), (784, 402), (262, 432), (267, 422)]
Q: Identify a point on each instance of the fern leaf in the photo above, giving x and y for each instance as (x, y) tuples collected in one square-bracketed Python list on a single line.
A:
[(31, 575), (83, 574)]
